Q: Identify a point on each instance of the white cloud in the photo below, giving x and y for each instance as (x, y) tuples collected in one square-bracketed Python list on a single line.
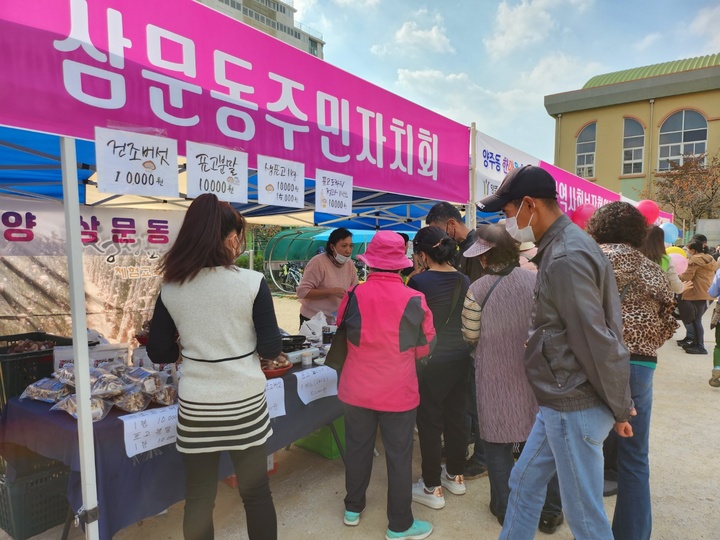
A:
[(647, 42), (304, 7), (527, 23), (358, 4), (706, 23), (411, 38)]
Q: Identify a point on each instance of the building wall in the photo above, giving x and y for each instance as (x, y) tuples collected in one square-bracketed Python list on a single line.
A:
[(609, 136), (274, 18)]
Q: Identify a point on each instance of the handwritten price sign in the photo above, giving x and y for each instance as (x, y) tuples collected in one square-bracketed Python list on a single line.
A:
[(334, 193), (275, 397), (218, 170), (281, 182), (136, 163), (147, 430), (316, 383)]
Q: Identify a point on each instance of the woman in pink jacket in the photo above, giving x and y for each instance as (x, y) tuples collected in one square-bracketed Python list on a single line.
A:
[(389, 327)]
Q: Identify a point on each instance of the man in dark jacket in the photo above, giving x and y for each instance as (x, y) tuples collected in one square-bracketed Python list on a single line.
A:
[(576, 361)]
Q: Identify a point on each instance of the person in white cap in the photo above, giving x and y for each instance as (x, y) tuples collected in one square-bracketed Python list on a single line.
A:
[(389, 328), (575, 359)]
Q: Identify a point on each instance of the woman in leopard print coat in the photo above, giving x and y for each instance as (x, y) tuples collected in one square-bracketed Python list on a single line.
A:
[(647, 304)]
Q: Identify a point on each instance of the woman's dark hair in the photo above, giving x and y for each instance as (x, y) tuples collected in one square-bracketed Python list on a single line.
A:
[(338, 234), (702, 239), (618, 223), (436, 244), (506, 250), (654, 246), (201, 240), (696, 246)]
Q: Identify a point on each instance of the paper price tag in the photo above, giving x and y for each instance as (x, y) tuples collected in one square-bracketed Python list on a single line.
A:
[(316, 383), (218, 170), (275, 397), (334, 192), (281, 182), (147, 430), (136, 163)]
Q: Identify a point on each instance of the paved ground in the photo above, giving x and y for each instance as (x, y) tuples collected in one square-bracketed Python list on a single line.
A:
[(308, 489)]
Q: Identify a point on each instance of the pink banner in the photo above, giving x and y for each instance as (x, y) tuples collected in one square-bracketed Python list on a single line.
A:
[(190, 73), (574, 191)]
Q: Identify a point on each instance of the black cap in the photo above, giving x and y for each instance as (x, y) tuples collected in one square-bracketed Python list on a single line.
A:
[(527, 181)]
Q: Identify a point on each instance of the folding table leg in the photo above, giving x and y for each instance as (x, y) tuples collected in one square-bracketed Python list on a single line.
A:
[(337, 441), (68, 521)]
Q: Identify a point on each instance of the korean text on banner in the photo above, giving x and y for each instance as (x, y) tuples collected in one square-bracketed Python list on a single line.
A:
[(137, 163), (573, 191), (184, 69), (281, 182), (494, 159), (218, 170)]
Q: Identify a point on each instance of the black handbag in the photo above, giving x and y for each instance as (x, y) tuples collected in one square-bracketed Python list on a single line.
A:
[(338, 351)]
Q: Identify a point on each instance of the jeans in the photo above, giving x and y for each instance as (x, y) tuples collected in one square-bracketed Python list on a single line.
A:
[(569, 444), (201, 481), (693, 311), (500, 463), (442, 413), (473, 428), (633, 513), (396, 429)]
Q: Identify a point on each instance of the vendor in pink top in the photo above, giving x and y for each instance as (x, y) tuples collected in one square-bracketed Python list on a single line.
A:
[(327, 276), (389, 327)]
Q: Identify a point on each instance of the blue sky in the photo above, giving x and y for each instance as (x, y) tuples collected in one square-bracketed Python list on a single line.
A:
[(493, 62)]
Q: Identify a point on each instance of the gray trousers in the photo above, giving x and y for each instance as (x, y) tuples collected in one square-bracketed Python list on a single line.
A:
[(396, 429)]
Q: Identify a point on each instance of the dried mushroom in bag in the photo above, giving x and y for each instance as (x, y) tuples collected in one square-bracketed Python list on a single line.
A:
[(132, 400), (98, 407), (47, 389), (166, 395), (148, 379)]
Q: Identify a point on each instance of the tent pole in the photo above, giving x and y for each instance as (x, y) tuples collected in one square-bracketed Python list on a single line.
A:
[(79, 336), (471, 212)]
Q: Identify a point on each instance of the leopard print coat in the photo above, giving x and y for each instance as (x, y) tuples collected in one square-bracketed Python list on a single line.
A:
[(648, 302)]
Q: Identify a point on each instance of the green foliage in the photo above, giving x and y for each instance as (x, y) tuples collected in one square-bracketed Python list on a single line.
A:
[(242, 261)]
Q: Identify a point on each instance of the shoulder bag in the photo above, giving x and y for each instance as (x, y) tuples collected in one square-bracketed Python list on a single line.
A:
[(338, 351)]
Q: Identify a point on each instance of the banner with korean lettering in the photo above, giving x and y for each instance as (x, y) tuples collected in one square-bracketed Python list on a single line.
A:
[(574, 191), (177, 66), (121, 249), (494, 159)]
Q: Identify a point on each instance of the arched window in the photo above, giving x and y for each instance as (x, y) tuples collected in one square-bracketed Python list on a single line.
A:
[(585, 152), (683, 134), (633, 147)]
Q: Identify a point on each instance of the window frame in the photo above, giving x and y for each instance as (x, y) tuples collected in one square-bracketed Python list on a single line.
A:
[(588, 157), (676, 144), (634, 150)]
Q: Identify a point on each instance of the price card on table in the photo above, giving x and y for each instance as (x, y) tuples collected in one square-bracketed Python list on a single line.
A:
[(218, 170), (280, 182), (334, 193), (275, 397), (129, 162), (150, 429), (316, 383)]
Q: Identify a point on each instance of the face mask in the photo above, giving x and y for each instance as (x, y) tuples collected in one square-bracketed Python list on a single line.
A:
[(342, 259), (521, 235)]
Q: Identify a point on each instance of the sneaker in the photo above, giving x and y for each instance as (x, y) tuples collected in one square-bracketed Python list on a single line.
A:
[(432, 499), (455, 485), (351, 519), (715, 379), (418, 531), (695, 350), (474, 470), (549, 523), (683, 341)]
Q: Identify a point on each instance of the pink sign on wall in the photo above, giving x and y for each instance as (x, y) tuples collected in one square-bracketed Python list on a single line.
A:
[(574, 191), (191, 73)]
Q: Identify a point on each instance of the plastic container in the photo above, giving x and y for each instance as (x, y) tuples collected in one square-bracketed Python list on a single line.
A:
[(322, 442), (306, 360), (23, 461), (22, 369), (35, 503)]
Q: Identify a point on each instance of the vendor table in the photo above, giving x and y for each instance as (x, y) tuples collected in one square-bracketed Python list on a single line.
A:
[(131, 489)]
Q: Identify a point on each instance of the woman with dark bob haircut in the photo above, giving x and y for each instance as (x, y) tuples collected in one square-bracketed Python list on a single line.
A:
[(647, 303), (225, 318)]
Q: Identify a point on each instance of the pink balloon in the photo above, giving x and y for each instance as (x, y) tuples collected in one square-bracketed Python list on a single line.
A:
[(679, 262), (582, 215), (650, 210)]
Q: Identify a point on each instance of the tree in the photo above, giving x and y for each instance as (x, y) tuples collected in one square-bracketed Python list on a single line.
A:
[(690, 191)]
